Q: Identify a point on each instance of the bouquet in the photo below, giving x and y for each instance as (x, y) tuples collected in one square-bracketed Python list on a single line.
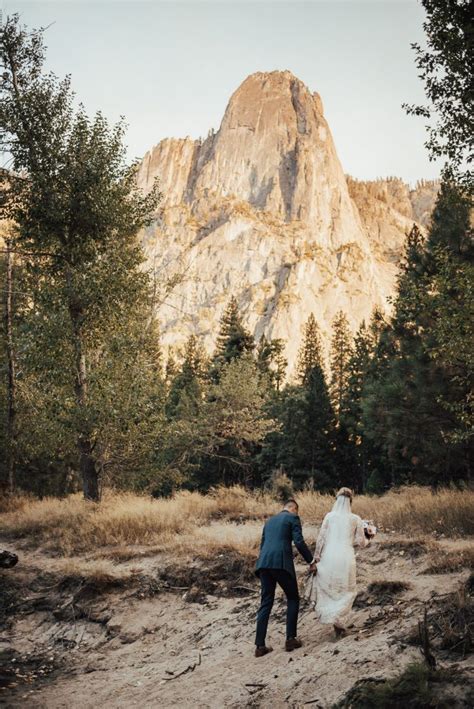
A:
[(370, 530)]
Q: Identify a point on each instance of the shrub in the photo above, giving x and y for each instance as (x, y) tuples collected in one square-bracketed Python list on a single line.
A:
[(417, 686), (281, 486)]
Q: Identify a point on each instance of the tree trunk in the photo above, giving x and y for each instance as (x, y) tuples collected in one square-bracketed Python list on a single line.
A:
[(84, 443), (11, 396), (87, 466)]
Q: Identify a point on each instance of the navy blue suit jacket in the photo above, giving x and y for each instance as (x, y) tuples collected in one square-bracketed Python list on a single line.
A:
[(275, 549)]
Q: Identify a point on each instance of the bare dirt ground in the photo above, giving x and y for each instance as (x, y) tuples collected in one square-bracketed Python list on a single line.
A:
[(67, 642)]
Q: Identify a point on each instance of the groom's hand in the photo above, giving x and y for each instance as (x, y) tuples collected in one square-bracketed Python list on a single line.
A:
[(312, 568)]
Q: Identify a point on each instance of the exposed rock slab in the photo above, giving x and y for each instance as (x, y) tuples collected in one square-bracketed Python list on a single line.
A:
[(262, 210)]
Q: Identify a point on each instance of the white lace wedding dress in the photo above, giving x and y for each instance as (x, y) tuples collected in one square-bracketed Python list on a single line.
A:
[(332, 589)]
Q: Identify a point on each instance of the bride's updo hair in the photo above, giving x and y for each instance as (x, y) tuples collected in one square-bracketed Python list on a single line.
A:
[(346, 492)]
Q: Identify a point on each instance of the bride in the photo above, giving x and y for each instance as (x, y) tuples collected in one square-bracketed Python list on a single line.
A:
[(332, 589)]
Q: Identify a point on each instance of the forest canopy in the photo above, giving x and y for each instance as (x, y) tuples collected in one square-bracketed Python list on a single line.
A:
[(89, 398)]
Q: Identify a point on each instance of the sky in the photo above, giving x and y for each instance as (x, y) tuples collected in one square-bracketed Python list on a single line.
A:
[(171, 66)]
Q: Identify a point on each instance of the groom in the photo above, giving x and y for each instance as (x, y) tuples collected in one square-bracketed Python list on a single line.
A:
[(275, 566)]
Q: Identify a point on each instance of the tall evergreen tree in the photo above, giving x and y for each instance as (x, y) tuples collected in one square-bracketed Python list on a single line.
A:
[(403, 407), (271, 360), (358, 367), (317, 416), (341, 351), (302, 446), (365, 457), (233, 340), (186, 388), (171, 369), (445, 67), (450, 226), (310, 352), (451, 300), (344, 458), (390, 412)]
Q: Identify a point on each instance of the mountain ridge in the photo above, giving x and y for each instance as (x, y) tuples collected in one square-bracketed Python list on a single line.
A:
[(261, 209)]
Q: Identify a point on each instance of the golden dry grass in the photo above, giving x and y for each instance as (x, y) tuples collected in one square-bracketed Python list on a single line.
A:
[(103, 573), (411, 547), (14, 503), (73, 525), (451, 561), (195, 522), (419, 510), (198, 541), (236, 502), (206, 541), (414, 510)]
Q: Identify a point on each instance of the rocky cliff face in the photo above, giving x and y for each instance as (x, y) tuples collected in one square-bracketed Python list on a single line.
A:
[(388, 209), (262, 210)]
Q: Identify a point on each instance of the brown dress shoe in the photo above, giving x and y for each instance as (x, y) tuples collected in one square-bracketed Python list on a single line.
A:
[(292, 644), (261, 651), (339, 631)]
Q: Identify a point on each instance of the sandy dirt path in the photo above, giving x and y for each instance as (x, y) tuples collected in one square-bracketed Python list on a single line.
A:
[(165, 651)]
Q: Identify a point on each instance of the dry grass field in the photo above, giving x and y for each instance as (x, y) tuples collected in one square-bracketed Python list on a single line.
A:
[(71, 525)]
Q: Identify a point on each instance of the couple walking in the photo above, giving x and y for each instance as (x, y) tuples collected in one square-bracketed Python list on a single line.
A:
[(332, 586)]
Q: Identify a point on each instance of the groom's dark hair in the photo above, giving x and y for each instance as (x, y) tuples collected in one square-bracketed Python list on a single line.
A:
[(291, 501)]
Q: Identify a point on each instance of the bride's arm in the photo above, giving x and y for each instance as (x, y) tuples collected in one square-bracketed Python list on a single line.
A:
[(360, 540), (321, 541)]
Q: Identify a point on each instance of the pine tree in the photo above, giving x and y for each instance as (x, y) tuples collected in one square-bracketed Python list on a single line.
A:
[(302, 446), (309, 354), (318, 427), (194, 361), (376, 470), (391, 418), (314, 455), (350, 415), (171, 369), (233, 340), (271, 360), (452, 348), (341, 351), (406, 406), (451, 222), (186, 389), (358, 367)]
